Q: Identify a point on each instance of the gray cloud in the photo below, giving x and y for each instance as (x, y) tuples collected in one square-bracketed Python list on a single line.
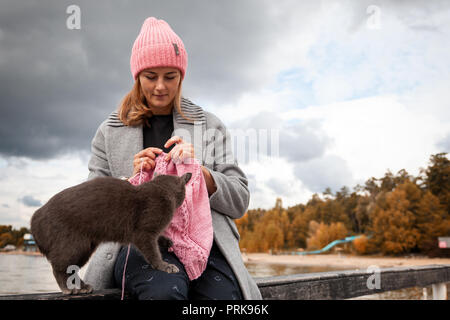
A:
[(329, 171), (57, 84), (296, 142), (252, 186), (280, 187), (444, 144), (303, 141), (30, 201)]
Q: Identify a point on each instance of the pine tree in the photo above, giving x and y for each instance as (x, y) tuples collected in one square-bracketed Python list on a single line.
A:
[(438, 178)]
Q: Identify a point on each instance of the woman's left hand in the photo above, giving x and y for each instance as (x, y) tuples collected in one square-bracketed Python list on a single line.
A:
[(181, 152)]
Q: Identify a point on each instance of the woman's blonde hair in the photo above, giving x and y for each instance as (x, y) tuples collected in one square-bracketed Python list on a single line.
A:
[(133, 109)]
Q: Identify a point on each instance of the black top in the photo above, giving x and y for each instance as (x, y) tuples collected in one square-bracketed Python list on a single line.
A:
[(160, 130)]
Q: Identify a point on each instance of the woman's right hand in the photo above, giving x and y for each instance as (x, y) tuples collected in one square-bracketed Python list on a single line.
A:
[(147, 156)]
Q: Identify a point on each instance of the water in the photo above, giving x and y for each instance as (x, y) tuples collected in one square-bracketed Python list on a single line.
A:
[(20, 274), (267, 269), (25, 274)]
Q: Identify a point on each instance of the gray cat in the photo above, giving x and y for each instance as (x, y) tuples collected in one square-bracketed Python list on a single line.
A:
[(70, 226)]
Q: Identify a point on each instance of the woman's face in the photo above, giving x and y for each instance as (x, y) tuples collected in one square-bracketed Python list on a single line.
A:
[(159, 86)]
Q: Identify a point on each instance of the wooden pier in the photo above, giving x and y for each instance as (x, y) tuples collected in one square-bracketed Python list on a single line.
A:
[(333, 285)]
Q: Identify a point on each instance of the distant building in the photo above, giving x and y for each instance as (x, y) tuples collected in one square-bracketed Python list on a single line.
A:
[(444, 242), (28, 243), (9, 247)]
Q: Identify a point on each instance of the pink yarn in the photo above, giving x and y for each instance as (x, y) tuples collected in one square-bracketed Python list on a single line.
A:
[(157, 45), (191, 228)]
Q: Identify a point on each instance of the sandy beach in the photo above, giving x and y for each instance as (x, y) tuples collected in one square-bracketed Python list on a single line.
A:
[(342, 260), (324, 260), (25, 253)]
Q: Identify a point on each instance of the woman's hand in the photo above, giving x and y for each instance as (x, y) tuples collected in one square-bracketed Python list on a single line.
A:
[(147, 158), (181, 152), (209, 180)]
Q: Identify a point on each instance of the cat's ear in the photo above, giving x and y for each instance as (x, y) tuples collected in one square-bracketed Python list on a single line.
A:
[(186, 177)]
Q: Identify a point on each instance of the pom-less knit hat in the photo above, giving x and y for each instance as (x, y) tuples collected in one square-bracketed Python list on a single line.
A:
[(157, 45)]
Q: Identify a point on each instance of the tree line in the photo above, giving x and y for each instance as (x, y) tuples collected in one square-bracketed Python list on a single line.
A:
[(396, 214), (9, 235)]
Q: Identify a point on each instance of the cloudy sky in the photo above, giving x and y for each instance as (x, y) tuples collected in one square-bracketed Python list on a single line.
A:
[(335, 91)]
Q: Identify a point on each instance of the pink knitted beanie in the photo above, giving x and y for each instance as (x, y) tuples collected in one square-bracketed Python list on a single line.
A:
[(157, 45), (191, 228)]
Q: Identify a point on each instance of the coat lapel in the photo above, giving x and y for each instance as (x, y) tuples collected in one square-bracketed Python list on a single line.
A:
[(191, 131), (124, 143)]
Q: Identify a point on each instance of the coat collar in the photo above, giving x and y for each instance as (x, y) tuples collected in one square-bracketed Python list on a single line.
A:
[(189, 109)]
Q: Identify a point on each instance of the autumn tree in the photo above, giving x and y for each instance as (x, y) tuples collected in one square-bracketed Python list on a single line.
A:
[(398, 213), (361, 214), (361, 245), (437, 178), (299, 227), (321, 234), (393, 219), (9, 235), (432, 221)]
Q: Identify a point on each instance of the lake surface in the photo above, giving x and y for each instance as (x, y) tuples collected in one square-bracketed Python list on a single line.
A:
[(25, 274), (21, 274)]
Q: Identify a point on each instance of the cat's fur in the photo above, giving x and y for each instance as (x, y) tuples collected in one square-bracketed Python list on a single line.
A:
[(70, 226)]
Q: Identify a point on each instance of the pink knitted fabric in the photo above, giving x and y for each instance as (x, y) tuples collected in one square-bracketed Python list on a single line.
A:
[(157, 45), (191, 228)]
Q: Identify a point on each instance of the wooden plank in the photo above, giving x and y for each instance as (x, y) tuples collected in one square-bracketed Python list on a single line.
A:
[(349, 284), (107, 294), (308, 286)]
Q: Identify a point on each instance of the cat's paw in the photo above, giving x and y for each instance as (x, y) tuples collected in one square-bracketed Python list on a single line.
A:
[(171, 268), (71, 291), (85, 289), (168, 267)]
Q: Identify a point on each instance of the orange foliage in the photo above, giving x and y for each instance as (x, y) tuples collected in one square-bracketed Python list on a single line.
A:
[(401, 213), (322, 234)]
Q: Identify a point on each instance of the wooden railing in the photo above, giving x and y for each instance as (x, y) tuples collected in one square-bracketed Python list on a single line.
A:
[(355, 283), (314, 286)]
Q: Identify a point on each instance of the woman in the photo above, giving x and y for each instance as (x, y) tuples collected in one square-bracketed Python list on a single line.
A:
[(153, 118)]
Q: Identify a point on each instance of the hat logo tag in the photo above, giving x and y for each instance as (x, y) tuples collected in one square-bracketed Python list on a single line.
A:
[(175, 46)]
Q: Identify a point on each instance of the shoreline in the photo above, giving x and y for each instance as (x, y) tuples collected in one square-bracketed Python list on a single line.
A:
[(323, 260), (342, 260), (19, 252)]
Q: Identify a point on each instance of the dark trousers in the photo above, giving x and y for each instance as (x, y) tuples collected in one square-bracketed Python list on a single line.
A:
[(143, 282)]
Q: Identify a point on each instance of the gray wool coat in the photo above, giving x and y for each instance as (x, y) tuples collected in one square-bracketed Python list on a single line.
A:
[(113, 149)]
